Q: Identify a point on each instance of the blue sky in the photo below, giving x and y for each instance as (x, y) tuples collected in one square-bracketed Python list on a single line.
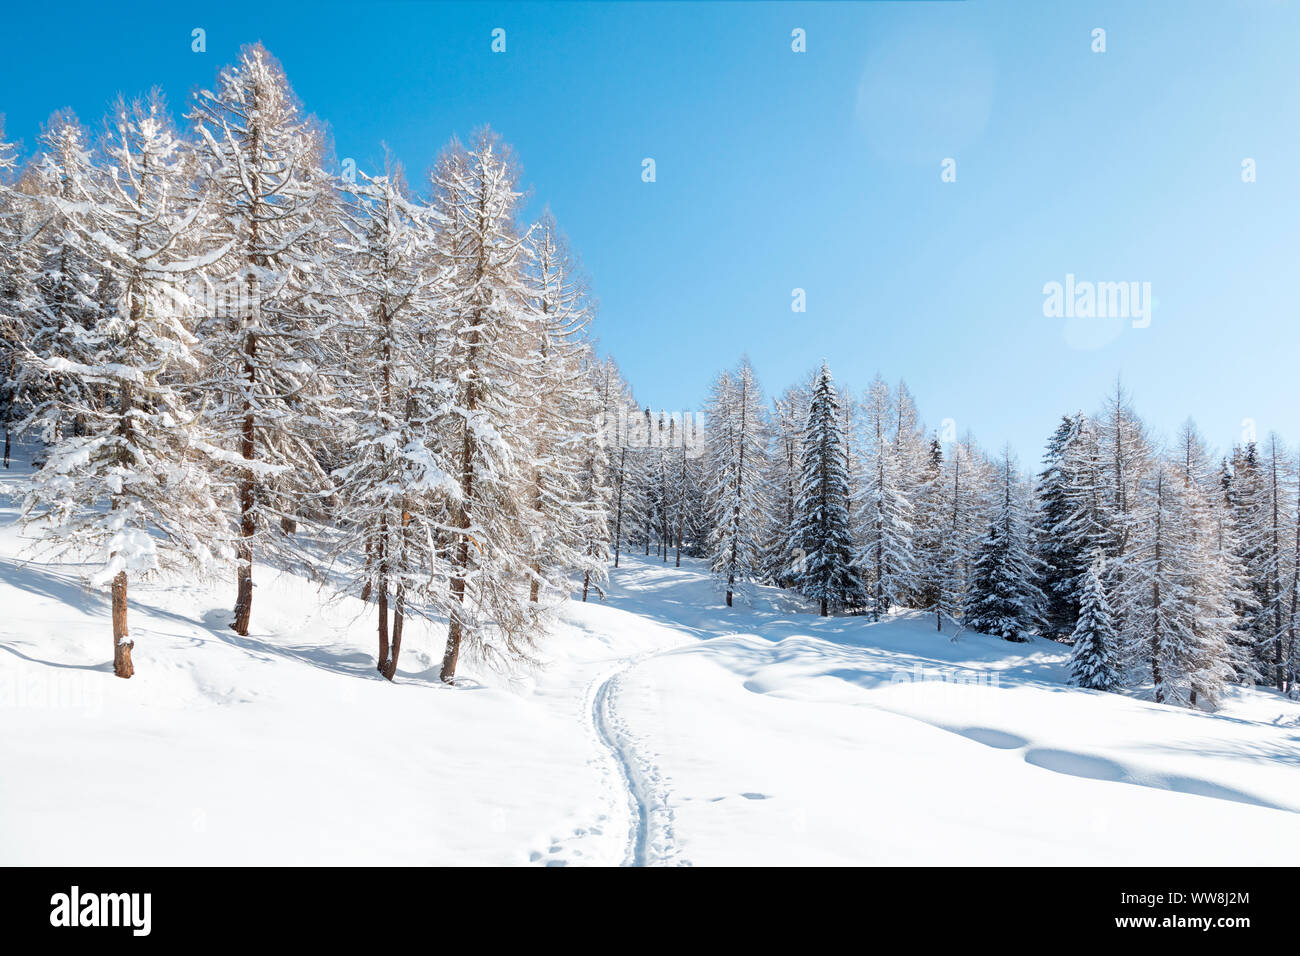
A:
[(821, 171)]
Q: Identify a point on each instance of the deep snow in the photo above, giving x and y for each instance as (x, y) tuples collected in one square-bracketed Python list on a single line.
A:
[(665, 728)]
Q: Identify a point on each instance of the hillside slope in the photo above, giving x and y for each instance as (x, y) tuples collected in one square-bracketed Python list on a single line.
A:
[(664, 729)]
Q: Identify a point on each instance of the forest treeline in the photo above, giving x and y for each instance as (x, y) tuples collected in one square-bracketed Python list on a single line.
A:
[(227, 353)]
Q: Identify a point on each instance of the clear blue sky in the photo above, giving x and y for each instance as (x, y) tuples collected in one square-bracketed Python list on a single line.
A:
[(821, 170)]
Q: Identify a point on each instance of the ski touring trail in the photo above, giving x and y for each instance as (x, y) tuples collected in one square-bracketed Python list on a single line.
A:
[(634, 826), (650, 831)]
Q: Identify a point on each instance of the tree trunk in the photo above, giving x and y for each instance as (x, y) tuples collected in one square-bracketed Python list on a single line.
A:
[(1276, 581), (454, 632), (1295, 594), (243, 584), (825, 610), (399, 606), (365, 588), (455, 626), (381, 586), (1156, 633), (681, 530), (122, 666), (618, 513), (247, 501), (586, 583), (382, 666)]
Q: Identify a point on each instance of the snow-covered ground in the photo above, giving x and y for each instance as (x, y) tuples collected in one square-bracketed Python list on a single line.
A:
[(665, 729)]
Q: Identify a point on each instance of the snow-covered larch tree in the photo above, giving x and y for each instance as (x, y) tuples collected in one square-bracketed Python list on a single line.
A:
[(737, 462), (1217, 578), (883, 507), (615, 397), (562, 431), (965, 483), (931, 533), (594, 488), (1159, 622), (394, 491), (130, 488), (788, 418), (59, 287), (489, 305), (267, 342), (12, 326)]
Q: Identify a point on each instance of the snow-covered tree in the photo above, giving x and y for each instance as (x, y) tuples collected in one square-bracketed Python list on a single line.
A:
[(1217, 578), (884, 510), (615, 399), (1261, 497), (565, 505), (788, 418), (737, 461), (60, 286), (489, 305), (966, 480), (825, 570), (1291, 598), (1094, 658), (1066, 521), (267, 344), (595, 489), (1159, 625), (687, 488), (1125, 456), (931, 528), (12, 326), (642, 502), (394, 491), (130, 488), (1004, 596), (914, 467)]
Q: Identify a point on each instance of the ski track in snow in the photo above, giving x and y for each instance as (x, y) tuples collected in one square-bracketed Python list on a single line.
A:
[(651, 841), (603, 721), (635, 791)]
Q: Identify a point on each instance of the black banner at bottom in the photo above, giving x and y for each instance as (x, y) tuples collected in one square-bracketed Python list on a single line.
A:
[(338, 906)]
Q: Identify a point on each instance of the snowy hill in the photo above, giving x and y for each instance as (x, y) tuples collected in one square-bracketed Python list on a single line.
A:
[(664, 729)]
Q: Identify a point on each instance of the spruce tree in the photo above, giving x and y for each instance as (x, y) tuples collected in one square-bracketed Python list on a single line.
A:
[(1004, 594), (825, 573), (1094, 658), (1064, 525)]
